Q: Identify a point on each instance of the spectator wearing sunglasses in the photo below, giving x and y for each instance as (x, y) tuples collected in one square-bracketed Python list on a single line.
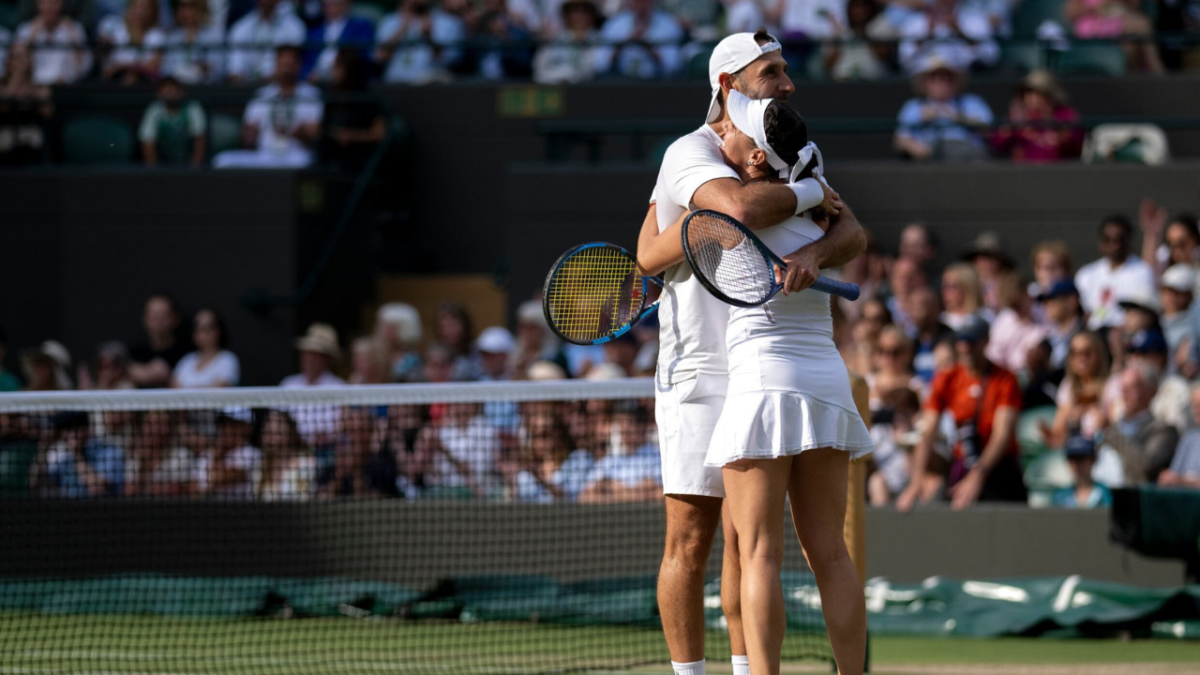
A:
[(1116, 271)]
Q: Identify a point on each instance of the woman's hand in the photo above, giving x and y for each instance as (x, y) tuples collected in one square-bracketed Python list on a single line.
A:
[(832, 204), (800, 273)]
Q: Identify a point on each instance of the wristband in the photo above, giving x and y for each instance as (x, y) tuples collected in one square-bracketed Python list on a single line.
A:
[(809, 193)]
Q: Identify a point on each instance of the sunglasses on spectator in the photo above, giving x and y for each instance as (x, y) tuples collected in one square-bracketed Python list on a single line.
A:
[(1178, 243), (1110, 239), (893, 351)]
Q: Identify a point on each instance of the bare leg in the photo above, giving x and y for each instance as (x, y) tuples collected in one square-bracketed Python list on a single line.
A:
[(755, 492), (731, 585), (818, 497), (691, 526)]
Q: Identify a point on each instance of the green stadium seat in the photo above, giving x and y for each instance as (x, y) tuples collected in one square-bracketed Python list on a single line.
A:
[(1032, 13), (1092, 58), (1020, 57), (224, 133), (1045, 475), (1029, 432), (97, 139), (697, 68), (8, 16)]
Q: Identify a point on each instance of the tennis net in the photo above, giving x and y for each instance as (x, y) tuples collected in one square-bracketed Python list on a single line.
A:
[(468, 528)]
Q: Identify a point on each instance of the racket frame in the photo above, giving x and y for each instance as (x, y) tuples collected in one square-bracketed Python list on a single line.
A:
[(822, 284), (645, 310)]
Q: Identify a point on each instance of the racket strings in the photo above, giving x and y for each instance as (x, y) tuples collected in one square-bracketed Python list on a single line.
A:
[(724, 256), (594, 293)]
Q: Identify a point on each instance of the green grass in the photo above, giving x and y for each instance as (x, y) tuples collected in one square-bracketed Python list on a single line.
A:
[(51, 645)]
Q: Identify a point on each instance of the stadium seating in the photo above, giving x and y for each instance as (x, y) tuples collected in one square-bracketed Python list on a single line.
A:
[(1032, 13), (224, 133), (97, 139), (1092, 58)]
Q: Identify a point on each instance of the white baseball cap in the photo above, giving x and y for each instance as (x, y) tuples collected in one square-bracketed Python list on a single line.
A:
[(1180, 277), (729, 56), (495, 340)]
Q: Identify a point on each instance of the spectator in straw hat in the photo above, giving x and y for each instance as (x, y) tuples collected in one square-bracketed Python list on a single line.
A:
[(398, 327), (319, 351), (46, 367), (941, 122), (1041, 127), (8, 381)]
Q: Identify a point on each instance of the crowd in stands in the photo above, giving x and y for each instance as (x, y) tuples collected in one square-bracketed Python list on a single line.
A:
[(983, 385)]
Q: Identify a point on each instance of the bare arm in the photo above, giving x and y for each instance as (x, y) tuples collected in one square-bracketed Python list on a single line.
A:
[(843, 242), (757, 205), (920, 460), (656, 251), (150, 153), (966, 492)]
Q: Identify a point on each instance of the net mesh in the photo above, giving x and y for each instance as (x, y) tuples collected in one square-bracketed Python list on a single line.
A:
[(476, 528), (724, 256), (593, 293)]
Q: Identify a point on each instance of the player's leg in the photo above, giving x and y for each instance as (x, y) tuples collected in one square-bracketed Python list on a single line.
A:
[(692, 523), (818, 498), (755, 490), (731, 591)]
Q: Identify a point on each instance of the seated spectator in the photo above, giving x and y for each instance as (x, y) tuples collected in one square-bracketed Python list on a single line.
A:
[(453, 331), (918, 244), (622, 352), (859, 352), (639, 42), (338, 31), (501, 48), (465, 452), (1185, 465), (1177, 291), (893, 366), (894, 432), (212, 364), (535, 342), (852, 55), (1039, 382), (419, 43), (570, 58), (25, 111), (551, 468), (318, 350), (127, 43), (1014, 332), (407, 439), (805, 21), (398, 327), (283, 122), (1168, 241), (928, 331), (631, 470), (289, 469), (1112, 20), (986, 254), (8, 381), (47, 367), (962, 296), (158, 464), (153, 360), (193, 52), (1085, 493), (1051, 261), (369, 362), (174, 130), (492, 352), (75, 465), (961, 35), (256, 38), (111, 369), (58, 44), (1170, 403), (1140, 311), (905, 277), (1099, 281), (364, 463), (1041, 127), (942, 123), (870, 271), (1063, 319), (1137, 448), (984, 400), (354, 122), (233, 466), (743, 16), (1081, 411), (438, 365)]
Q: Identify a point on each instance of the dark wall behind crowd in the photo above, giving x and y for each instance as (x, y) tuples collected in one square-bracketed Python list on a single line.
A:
[(82, 247)]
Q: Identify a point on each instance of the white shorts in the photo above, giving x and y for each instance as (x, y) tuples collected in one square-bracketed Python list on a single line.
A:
[(686, 413)]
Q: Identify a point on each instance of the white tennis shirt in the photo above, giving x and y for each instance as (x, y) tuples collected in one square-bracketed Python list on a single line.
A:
[(691, 334)]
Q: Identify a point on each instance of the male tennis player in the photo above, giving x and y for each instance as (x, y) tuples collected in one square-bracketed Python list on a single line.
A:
[(691, 378)]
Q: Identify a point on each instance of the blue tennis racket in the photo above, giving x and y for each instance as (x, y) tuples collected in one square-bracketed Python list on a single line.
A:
[(735, 266), (594, 294)]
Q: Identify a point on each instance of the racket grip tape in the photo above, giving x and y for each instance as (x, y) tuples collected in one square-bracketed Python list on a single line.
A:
[(838, 288)]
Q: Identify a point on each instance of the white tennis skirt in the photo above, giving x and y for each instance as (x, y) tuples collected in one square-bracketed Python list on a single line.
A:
[(786, 395)]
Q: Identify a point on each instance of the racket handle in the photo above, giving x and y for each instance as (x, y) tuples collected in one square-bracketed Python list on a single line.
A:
[(838, 288)]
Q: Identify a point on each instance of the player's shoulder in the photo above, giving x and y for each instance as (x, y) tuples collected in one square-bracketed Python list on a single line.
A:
[(701, 142)]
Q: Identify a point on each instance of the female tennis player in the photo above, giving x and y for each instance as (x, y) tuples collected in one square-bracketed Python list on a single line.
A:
[(789, 426)]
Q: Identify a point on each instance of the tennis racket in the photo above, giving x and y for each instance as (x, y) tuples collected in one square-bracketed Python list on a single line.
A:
[(734, 264), (594, 294)]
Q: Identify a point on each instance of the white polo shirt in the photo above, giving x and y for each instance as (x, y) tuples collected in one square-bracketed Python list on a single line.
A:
[(692, 322), (1101, 287)]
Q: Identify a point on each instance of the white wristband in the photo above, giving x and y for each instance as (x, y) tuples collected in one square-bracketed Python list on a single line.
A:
[(809, 194)]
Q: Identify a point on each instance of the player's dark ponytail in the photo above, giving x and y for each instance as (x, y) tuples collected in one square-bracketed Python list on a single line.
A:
[(787, 133)]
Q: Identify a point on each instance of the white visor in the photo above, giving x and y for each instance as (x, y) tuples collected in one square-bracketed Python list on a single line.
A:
[(747, 116)]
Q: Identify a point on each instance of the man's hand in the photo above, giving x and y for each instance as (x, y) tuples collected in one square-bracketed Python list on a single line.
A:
[(801, 271), (966, 492)]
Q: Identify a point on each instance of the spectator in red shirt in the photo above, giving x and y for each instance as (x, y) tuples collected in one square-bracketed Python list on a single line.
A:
[(984, 400), (1041, 127)]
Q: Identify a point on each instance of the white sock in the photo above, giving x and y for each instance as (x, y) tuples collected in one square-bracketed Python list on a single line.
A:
[(693, 668), (741, 665)]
